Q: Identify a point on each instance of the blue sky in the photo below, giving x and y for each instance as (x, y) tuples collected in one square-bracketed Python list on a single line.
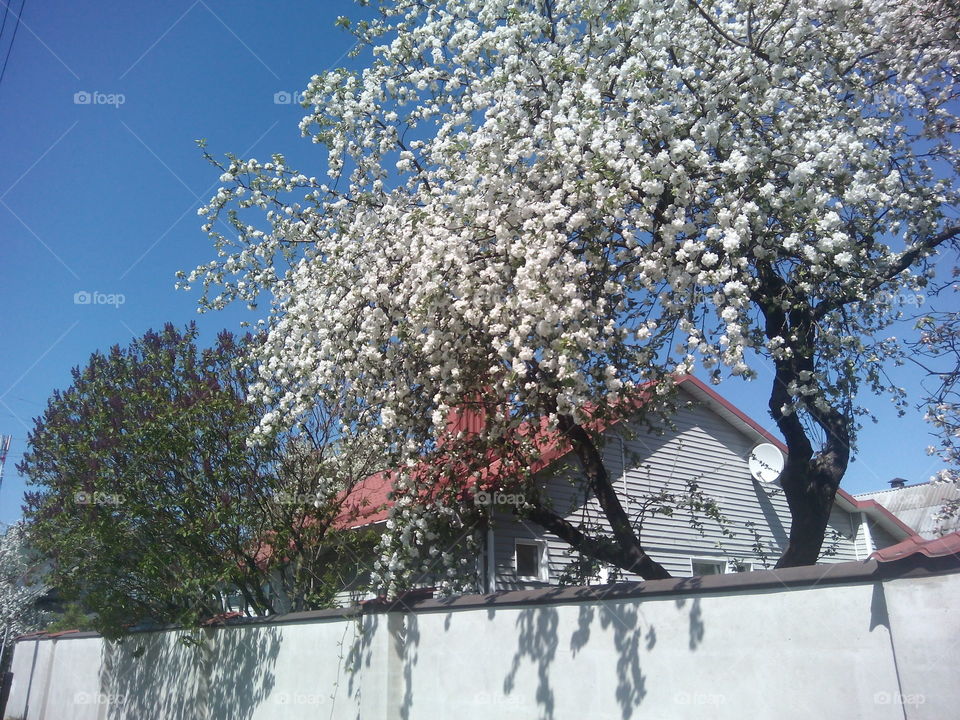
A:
[(100, 181)]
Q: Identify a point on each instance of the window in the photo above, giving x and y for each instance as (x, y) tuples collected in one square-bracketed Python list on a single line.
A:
[(530, 559), (738, 566), (708, 567)]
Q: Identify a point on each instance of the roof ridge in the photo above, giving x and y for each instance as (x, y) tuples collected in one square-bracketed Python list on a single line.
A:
[(893, 489)]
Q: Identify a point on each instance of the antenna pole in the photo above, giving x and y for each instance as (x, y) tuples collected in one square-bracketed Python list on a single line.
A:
[(4, 449)]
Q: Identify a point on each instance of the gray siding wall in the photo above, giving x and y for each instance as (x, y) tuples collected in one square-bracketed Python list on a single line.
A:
[(700, 446), (881, 538)]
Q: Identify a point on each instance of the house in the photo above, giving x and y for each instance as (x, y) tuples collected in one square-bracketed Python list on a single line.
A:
[(708, 441), (920, 505)]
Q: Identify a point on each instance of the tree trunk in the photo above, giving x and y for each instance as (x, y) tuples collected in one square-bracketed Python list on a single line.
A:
[(625, 552), (810, 497), (810, 480), (633, 560)]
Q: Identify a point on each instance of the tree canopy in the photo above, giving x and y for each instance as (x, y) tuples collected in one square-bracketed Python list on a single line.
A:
[(152, 506), (541, 206)]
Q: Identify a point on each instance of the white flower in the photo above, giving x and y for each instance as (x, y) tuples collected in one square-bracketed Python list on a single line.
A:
[(843, 259)]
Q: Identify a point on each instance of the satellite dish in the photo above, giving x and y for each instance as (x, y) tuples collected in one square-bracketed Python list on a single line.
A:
[(765, 463)]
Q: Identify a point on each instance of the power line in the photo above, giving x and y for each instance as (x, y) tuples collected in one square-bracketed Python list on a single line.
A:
[(13, 38), (6, 11)]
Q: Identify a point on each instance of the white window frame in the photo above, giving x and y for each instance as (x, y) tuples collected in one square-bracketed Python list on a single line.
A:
[(716, 562), (748, 565), (602, 577), (542, 557)]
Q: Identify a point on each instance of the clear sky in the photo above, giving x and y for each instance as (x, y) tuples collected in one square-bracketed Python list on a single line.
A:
[(100, 180)]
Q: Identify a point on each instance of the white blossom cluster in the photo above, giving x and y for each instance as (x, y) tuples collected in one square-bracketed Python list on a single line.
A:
[(431, 542), (940, 341), (20, 586), (566, 197)]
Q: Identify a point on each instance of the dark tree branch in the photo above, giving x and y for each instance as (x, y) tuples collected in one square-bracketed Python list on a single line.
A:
[(603, 550), (904, 261), (631, 556), (713, 24)]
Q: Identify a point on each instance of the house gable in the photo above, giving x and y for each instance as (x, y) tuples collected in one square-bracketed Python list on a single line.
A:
[(708, 442)]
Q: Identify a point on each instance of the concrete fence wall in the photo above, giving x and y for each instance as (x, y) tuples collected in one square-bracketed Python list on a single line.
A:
[(854, 640)]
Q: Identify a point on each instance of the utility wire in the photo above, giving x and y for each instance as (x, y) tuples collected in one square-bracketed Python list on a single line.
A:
[(13, 37), (6, 11)]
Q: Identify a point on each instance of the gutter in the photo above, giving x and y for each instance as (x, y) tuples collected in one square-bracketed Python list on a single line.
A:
[(867, 536), (491, 559)]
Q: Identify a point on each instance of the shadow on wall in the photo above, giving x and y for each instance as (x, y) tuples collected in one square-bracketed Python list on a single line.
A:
[(879, 617), (357, 656), (407, 641), (227, 673), (537, 641), (633, 638)]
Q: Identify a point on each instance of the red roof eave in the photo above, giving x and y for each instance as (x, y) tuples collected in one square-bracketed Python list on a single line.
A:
[(877, 511), (937, 547)]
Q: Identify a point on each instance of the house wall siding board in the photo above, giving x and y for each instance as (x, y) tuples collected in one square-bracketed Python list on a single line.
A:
[(510, 529), (881, 538), (698, 445), (839, 545)]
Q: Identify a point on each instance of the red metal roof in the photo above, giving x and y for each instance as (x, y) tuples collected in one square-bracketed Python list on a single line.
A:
[(938, 547), (368, 501)]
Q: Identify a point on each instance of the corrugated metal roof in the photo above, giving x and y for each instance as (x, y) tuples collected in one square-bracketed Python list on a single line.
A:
[(938, 547), (916, 505)]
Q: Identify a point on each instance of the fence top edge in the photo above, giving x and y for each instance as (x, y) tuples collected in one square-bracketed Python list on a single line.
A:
[(811, 576)]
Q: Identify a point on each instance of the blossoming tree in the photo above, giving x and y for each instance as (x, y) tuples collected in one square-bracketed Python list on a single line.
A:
[(21, 584), (937, 351), (539, 206)]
